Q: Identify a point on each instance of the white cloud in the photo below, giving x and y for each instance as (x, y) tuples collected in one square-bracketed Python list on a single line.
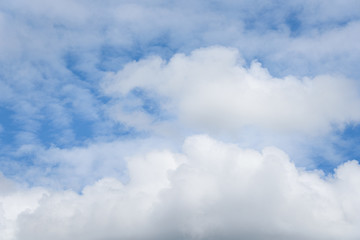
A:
[(212, 190), (212, 90), (13, 202)]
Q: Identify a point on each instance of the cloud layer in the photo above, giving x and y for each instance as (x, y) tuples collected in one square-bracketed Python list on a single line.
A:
[(209, 190), (53, 55)]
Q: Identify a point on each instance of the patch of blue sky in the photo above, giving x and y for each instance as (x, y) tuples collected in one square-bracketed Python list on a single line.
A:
[(150, 104), (339, 148), (81, 131), (45, 131), (294, 23), (15, 163), (322, 162), (12, 129), (72, 61), (322, 27), (266, 17), (9, 127), (82, 66), (348, 142), (52, 135), (112, 57), (27, 169), (163, 45)]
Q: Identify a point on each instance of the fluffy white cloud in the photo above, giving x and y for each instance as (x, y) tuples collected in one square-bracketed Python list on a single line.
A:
[(211, 190), (53, 56), (15, 201), (213, 90)]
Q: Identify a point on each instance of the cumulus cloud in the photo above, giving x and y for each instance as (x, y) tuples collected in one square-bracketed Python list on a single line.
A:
[(210, 190), (14, 201), (213, 90), (60, 130)]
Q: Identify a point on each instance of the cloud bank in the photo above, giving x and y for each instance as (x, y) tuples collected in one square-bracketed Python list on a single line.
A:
[(209, 190)]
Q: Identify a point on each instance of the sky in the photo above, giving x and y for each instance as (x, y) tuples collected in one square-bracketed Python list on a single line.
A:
[(179, 119)]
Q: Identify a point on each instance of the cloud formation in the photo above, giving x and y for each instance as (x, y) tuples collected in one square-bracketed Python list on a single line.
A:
[(212, 90), (210, 190), (101, 104), (50, 48)]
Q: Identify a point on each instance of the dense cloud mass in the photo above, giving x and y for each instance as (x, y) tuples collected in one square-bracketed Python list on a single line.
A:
[(209, 190), (234, 119)]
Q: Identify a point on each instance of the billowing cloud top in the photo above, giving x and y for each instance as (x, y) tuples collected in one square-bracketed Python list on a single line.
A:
[(210, 190), (179, 120)]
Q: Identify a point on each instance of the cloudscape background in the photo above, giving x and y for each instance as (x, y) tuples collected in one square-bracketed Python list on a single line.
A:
[(179, 119)]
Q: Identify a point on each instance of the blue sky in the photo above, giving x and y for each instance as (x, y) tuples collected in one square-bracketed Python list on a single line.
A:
[(179, 108)]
